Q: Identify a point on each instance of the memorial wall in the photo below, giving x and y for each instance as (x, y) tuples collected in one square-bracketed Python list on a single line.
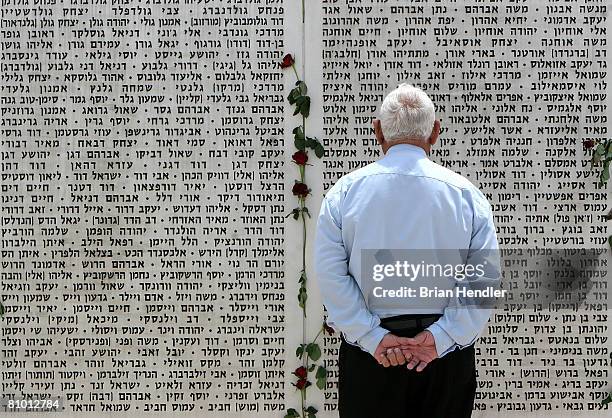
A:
[(147, 261)]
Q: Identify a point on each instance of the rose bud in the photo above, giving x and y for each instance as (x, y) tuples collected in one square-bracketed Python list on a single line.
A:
[(588, 144), (287, 61), (301, 372), (328, 329), (300, 189), (302, 383), (300, 157)]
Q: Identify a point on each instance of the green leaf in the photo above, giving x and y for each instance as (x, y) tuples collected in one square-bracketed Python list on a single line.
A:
[(319, 150), (311, 142), (295, 212), (2, 309), (300, 351), (299, 139), (302, 278), (302, 105), (298, 132), (302, 296), (610, 244), (302, 86), (299, 101), (305, 210), (314, 351), (607, 400), (293, 95), (321, 377), (595, 160), (291, 413), (605, 172), (600, 150), (312, 367), (305, 107), (311, 412), (316, 145), (299, 144)]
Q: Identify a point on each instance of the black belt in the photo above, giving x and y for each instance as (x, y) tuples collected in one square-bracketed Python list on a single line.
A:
[(402, 322)]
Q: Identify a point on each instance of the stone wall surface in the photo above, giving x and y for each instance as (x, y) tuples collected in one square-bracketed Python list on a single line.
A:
[(147, 262)]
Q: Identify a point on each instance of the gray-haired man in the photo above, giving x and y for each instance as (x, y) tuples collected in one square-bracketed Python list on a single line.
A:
[(402, 201)]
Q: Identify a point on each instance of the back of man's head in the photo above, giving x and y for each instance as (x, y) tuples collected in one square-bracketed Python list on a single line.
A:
[(407, 112)]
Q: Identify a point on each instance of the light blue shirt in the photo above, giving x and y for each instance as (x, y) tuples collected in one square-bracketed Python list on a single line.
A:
[(406, 201)]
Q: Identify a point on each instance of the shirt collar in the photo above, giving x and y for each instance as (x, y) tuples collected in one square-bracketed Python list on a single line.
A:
[(406, 149)]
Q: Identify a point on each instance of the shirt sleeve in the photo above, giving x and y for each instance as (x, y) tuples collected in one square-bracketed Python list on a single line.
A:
[(463, 322), (346, 308)]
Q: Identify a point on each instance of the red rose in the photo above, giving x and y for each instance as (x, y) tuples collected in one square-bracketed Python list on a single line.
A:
[(589, 143), (328, 329), (301, 372), (300, 157), (302, 383), (287, 61), (300, 189)]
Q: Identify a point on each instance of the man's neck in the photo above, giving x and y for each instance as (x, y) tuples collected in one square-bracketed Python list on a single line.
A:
[(425, 145)]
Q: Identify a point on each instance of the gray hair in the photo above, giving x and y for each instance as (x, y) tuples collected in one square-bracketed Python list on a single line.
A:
[(407, 111)]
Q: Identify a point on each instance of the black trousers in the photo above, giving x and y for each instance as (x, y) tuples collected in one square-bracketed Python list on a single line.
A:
[(444, 389)]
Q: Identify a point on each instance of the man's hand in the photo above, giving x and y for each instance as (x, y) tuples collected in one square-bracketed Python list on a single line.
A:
[(418, 351), (389, 352)]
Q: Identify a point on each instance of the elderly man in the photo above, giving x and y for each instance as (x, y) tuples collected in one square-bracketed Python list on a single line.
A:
[(408, 361)]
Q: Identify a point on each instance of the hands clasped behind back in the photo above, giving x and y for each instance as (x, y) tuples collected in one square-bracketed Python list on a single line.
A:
[(416, 352)]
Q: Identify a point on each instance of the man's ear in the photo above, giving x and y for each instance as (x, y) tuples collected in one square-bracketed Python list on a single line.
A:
[(378, 131), (435, 132)]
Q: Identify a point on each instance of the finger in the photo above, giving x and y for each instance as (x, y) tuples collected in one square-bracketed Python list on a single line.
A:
[(413, 363), (431, 357), (407, 355), (416, 363), (382, 359), (424, 355), (412, 352), (421, 366), (400, 357), (391, 357)]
